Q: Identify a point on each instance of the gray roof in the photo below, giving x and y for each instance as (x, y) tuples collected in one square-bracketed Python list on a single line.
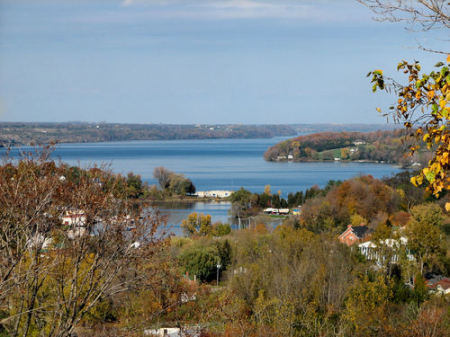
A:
[(361, 231)]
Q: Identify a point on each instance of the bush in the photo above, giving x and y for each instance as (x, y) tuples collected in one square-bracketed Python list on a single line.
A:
[(201, 262)]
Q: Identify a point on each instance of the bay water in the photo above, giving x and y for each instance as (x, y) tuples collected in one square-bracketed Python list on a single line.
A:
[(218, 164)]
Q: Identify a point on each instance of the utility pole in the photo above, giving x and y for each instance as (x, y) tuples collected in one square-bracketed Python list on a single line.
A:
[(218, 268)]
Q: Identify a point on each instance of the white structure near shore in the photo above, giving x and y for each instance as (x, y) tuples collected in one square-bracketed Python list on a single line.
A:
[(173, 332), (213, 194)]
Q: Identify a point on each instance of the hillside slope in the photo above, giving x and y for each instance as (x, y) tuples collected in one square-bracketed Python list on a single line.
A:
[(379, 146)]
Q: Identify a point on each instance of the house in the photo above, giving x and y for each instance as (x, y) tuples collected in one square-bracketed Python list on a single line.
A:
[(283, 211), (372, 252), (74, 217), (78, 232), (297, 211), (439, 285), (354, 234)]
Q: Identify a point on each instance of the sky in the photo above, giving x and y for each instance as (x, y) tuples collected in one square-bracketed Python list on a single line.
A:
[(204, 61)]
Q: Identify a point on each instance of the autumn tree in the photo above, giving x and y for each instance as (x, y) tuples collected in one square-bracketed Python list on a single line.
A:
[(55, 274), (197, 224), (173, 182), (366, 305), (424, 235), (162, 175)]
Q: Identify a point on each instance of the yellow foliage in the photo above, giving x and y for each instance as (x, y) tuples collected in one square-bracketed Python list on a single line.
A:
[(431, 124)]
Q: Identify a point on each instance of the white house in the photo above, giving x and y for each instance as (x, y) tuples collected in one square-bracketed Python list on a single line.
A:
[(76, 233), (74, 217), (371, 252)]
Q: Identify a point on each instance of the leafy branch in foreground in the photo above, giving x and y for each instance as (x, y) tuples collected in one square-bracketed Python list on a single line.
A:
[(423, 108)]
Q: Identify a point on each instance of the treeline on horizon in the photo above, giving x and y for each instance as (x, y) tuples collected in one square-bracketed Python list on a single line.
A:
[(18, 133), (389, 146)]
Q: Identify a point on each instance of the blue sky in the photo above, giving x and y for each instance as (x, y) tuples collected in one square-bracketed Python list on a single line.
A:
[(204, 61)]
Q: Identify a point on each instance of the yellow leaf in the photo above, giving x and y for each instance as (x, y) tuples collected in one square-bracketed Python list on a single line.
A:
[(447, 206), (448, 58)]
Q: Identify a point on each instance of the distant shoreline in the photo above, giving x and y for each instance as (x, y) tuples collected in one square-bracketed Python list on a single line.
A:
[(16, 134)]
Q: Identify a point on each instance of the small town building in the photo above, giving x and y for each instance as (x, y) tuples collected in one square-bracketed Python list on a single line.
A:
[(297, 211), (74, 218), (283, 211), (270, 210), (213, 194), (277, 211), (354, 234), (77, 232), (372, 252), (439, 285)]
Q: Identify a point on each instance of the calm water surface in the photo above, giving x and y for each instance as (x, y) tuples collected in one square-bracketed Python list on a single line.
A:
[(214, 164)]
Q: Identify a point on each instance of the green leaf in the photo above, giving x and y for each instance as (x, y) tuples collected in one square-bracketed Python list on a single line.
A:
[(430, 175), (439, 64), (434, 108)]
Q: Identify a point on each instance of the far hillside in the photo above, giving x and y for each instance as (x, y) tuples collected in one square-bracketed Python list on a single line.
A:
[(379, 146), (16, 134)]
